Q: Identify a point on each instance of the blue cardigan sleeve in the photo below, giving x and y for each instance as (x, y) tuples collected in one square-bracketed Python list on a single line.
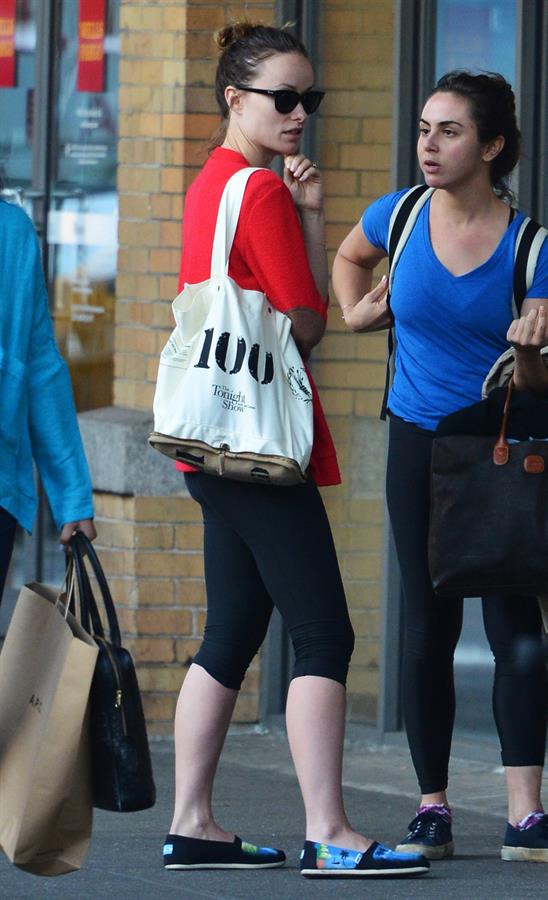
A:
[(53, 426)]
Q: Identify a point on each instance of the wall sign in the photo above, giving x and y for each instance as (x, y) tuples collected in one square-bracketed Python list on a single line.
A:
[(91, 46)]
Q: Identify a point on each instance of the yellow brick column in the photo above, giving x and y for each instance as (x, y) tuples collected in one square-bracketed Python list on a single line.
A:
[(354, 149)]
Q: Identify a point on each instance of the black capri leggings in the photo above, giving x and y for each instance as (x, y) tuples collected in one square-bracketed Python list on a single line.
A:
[(433, 626), (7, 538), (263, 547)]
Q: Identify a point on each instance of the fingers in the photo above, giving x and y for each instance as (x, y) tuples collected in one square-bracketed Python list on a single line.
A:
[(66, 532), (87, 526), (529, 331), (301, 168), (69, 528), (379, 292)]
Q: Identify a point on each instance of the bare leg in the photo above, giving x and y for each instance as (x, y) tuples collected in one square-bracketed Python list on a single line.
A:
[(524, 785), (204, 710), (315, 717), (439, 797)]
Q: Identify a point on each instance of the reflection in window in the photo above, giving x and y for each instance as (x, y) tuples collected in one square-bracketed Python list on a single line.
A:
[(17, 102), (83, 216), (476, 35)]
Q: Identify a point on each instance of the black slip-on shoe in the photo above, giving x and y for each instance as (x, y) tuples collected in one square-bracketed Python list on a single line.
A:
[(195, 853), (529, 845), (429, 834), (324, 860)]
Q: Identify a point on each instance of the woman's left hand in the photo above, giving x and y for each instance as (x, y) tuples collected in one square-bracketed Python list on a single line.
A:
[(529, 333), (304, 180), (68, 529)]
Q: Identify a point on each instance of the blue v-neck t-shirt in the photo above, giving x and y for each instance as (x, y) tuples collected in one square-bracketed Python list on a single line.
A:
[(449, 329)]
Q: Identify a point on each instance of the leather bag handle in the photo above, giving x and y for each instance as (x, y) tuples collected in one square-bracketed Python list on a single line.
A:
[(85, 600), (81, 547), (501, 449)]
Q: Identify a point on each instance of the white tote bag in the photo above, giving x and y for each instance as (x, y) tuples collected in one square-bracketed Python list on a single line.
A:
[(232, 396)]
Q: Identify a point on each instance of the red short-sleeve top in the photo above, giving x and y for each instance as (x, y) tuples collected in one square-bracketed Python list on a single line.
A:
[(268, 255)]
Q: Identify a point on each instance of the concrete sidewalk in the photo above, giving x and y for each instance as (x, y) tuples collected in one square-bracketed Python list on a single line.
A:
[(257, 795)]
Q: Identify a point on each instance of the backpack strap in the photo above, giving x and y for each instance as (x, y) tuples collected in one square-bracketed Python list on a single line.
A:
[(530, 239), (402, 222)]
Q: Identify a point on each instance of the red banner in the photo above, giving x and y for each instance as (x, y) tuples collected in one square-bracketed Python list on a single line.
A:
[(91, 46), (7, 43)]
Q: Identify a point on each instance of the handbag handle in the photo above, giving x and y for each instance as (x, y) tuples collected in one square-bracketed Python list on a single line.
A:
[(501, 449), (227, 220), (81, 546), (84, 599)]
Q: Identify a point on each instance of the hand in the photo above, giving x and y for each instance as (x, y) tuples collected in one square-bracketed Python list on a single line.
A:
[(304, 180), (371, 312), (529, 333), (86, 526), (378, 295)]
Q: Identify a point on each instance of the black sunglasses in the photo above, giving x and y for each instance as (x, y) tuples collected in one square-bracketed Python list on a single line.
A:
[(286, 100)]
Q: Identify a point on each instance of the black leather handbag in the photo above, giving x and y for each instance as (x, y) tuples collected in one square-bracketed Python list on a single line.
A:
[(488, 531), (122, 777)]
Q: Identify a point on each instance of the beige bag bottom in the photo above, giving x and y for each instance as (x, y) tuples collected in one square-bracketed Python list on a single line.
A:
[(255, 468)]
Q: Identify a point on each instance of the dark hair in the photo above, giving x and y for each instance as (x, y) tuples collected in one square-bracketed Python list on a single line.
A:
[(493, 109), (243, 46)]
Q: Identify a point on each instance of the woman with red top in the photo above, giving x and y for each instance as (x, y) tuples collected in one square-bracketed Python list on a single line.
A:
[(267, 546)]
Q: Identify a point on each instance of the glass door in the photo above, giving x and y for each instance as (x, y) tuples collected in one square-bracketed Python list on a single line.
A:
[(476, 35), (83, 208), (18, 64), (58, 150)]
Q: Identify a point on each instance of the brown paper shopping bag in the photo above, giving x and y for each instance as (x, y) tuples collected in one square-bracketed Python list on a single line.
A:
[(46, 668)]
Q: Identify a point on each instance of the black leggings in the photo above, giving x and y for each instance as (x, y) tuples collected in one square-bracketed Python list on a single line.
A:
[(433, 626), (7, 537), (263, 547)]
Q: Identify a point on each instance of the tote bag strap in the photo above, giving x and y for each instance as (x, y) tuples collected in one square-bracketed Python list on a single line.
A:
[(501, 448), (227, 221)]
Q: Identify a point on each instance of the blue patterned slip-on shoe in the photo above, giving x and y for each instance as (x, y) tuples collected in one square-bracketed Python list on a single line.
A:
[(194, 853), (429, 834), (529, 845), (321, 860)]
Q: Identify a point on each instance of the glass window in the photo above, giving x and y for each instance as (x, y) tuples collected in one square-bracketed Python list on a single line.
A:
[(17, 102), (71, 121), (476, 35), (83, 216)]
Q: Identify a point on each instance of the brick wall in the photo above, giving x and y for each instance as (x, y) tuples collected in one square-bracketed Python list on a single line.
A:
[(152, 545), (354, 148)]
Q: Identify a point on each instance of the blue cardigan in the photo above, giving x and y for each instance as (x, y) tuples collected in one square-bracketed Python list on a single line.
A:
[(37, 414)]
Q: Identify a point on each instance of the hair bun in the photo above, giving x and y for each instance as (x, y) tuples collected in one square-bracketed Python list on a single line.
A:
[(232, 33)]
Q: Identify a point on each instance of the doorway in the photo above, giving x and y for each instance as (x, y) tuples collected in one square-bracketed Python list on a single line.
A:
[(58, 155)]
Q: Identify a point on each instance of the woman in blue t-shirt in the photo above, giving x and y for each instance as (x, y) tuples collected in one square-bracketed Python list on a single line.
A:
[(451, 304)]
